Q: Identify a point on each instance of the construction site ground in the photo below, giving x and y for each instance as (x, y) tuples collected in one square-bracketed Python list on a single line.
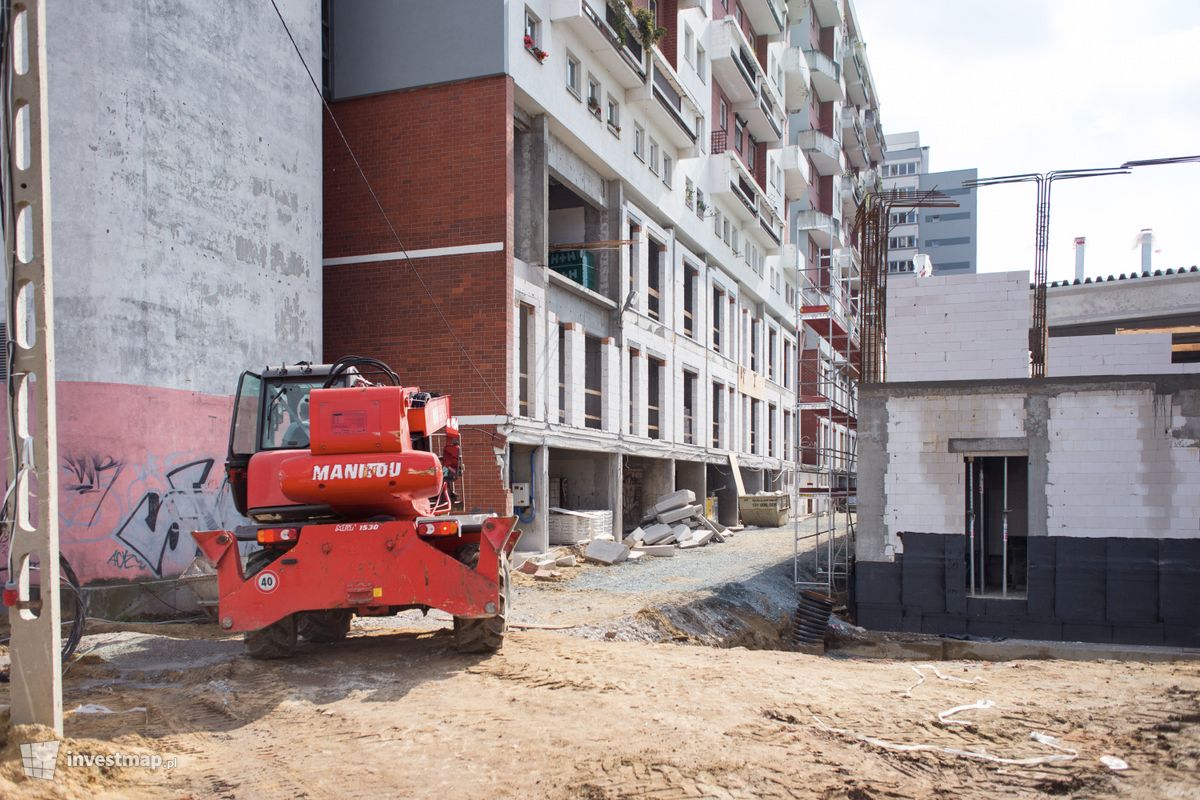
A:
[(631, 700)]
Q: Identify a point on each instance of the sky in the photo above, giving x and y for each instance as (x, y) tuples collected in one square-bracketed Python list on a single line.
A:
[(1036, 85)]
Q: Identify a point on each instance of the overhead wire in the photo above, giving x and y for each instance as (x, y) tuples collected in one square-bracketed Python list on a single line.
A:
[(383, 212)]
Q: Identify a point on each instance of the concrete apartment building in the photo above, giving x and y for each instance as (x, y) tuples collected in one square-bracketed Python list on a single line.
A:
[(949, 236), (1066, 507), (608, 228), (186, 226)]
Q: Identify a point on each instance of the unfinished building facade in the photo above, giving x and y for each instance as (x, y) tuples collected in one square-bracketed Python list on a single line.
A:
[(601, 217), (995, 504)]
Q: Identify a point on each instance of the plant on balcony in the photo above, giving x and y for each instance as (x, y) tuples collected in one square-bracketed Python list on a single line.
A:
[(648, 33), (537, 52), (688, 194), (701, 206), (594, 106), (620, 24)]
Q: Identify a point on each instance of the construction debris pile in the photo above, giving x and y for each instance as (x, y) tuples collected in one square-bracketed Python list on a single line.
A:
[(675, 522)]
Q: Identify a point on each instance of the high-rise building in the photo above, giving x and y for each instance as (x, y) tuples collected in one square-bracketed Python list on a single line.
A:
[(949, 236), (588, 239)]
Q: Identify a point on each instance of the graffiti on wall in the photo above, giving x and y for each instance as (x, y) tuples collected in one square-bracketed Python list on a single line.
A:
[(131, 520)]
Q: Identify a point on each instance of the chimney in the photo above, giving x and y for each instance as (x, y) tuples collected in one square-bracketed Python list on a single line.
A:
[(1147, 239), (1080, 241)]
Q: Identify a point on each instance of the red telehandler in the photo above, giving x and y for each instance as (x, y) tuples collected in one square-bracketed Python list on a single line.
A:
[(333, 466)]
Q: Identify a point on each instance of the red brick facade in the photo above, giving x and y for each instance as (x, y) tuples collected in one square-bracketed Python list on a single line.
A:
[(440, 159)]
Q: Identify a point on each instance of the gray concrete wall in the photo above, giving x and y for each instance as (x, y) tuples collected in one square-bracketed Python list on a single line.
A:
[(949, 236), (185, 147), (385, 45)]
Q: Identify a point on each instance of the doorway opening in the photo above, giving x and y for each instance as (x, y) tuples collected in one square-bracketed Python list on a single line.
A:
[(996, 525)]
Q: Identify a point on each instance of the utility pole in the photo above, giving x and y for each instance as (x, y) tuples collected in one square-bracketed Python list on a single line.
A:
[(36, 648)]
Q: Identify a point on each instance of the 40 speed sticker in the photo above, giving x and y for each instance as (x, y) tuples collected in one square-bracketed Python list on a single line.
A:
[(267, 581)]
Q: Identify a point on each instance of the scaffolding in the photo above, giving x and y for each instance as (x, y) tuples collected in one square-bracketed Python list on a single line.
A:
[(827, 412)]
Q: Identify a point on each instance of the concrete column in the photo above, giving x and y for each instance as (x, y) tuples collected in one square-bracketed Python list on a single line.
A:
[(1037, 415), (613, 278), (541, 500), (616, 497), (575, 377), (871, 537), (610, 381), (551, 367), (531, 192)]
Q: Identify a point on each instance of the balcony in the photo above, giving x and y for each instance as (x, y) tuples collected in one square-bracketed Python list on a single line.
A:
[(829, 12), (826, 76), (591, 20), (667, 103), (796, 79), (766, 16), (822, 228), (733, 62), (771, 225), (796, 172), (874, 134), (854, 138), (734, 184), (822, 150), (764, 119)]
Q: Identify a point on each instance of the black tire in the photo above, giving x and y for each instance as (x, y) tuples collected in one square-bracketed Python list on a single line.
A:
[(277, 640), (482, 635), (323, 627)]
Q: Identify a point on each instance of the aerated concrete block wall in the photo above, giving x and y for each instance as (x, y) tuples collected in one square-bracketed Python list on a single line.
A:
[(962, 327), (1114, 354), (924, 482), (1124, 463)]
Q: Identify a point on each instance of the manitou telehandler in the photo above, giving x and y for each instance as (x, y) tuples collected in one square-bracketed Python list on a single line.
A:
[(333, 467)]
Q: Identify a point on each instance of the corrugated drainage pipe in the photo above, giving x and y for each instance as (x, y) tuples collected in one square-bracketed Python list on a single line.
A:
[(812, 617)]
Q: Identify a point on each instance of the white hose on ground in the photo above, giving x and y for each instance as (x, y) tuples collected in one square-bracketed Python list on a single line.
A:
[(921, 675), (980, 755), (944, 716)]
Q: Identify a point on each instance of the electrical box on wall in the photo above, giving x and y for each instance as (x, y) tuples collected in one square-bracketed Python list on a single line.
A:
[(520, 494)]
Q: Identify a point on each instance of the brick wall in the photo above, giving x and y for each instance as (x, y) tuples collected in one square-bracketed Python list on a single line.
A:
[(440, 160)]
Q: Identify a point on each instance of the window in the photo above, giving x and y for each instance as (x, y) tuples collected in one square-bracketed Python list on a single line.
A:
[(750, 153), (689, 193), (717, 392), (726, 227), (614, 114), (668, 166), (754, 405), (654, 407), (690, 276), (639, 141), (772, 338), (701, 64), (653, 156), (903, 217), (718, 315), (738, 127), (700, 207), (593, 95), (700, 131), (654, 279), (723, 119), (787, 437), (772, 413), (533, 29), (593, 398), (689, 45), (689, 407), (654, 11), (573, 74), (524, 348), (901, 242)]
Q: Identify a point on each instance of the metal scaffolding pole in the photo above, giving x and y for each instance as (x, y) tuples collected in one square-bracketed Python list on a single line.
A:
[(35, 643)]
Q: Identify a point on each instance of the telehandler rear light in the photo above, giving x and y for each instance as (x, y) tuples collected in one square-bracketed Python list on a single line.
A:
[(447, 528), (10, 595), (278, 535)]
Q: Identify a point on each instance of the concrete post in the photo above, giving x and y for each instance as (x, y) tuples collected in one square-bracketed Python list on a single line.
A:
[(616, 493), (610, 381), (35, 646), (575, 342), (531, 192), (538, 363), (541, 499)]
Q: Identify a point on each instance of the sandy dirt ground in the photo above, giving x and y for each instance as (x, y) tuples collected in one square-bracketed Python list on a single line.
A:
[(396, 712)]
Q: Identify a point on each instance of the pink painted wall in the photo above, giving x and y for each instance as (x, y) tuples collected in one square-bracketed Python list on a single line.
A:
[(140, 468)]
